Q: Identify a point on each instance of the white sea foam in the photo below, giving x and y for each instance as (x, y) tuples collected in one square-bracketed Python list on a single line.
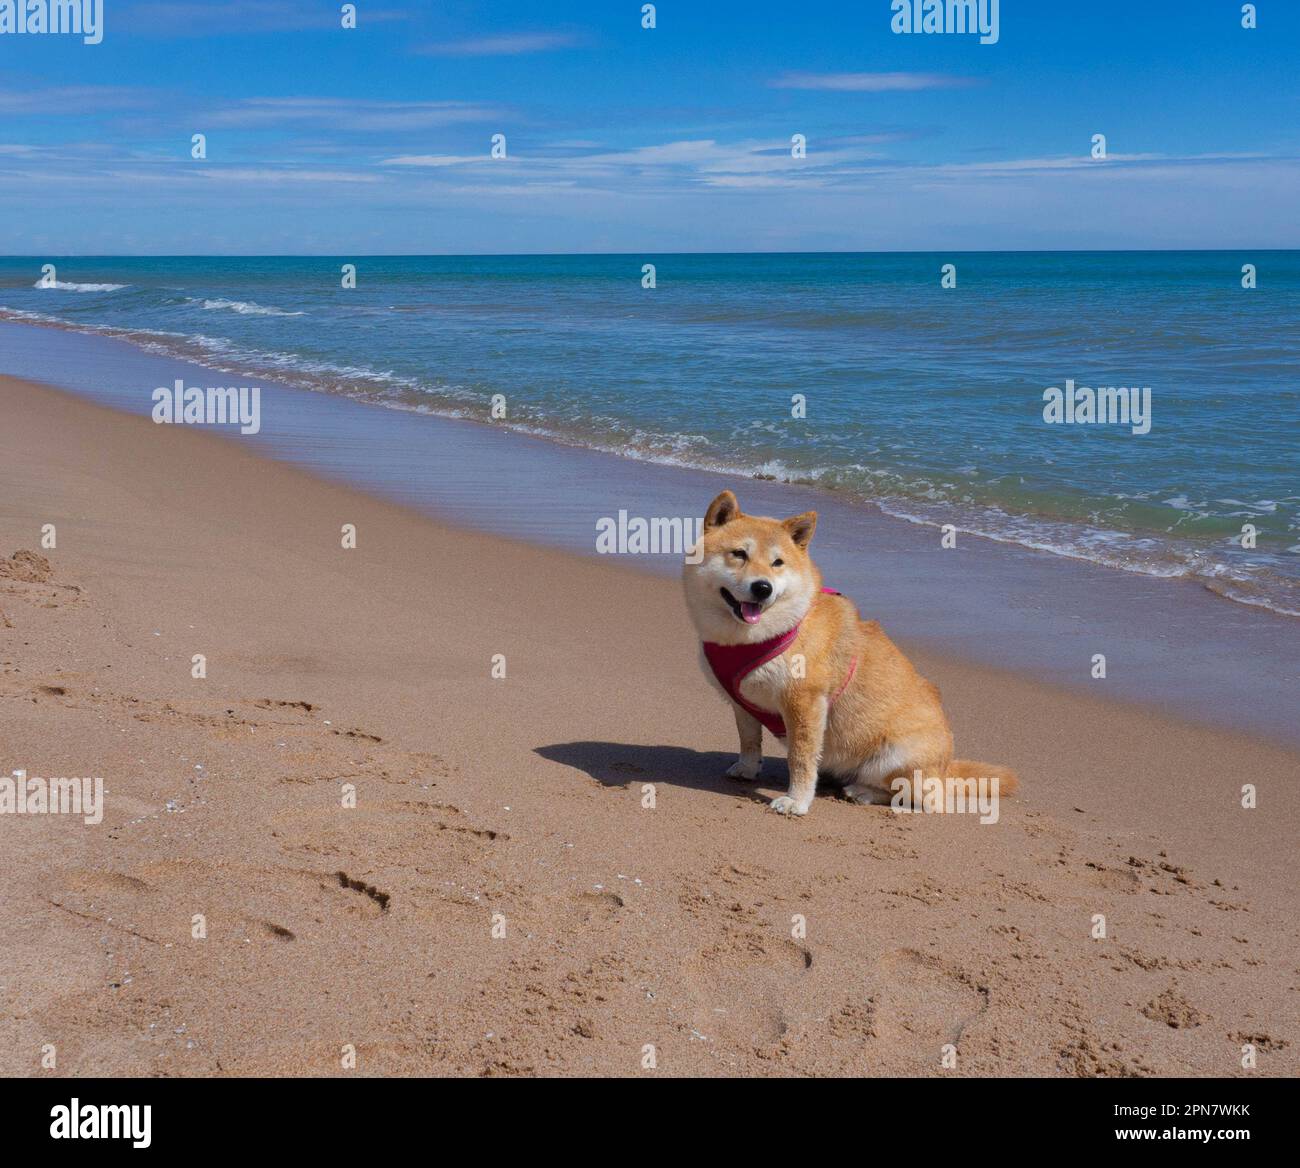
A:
[(22, 314), (246, 308), (71, 286)]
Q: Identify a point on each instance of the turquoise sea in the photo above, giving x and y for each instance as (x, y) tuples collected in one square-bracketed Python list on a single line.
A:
[(923, 401)]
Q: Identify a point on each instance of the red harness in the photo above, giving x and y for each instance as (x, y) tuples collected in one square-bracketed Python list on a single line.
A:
[(731, 664)]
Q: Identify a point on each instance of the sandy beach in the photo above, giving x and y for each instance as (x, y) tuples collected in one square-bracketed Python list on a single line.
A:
[(501, 900)]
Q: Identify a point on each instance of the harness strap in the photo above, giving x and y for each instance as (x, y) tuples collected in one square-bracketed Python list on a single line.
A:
[(731, 664)]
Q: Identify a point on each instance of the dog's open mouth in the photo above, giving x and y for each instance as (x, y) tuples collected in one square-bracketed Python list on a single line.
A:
[(745, 610)]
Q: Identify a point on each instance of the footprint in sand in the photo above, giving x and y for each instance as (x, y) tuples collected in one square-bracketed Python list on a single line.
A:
[(746, 987), (595, 907), (91, 880), (921, 1005)]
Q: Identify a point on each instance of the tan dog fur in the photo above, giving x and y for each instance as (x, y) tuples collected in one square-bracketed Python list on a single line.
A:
[(887, 723)]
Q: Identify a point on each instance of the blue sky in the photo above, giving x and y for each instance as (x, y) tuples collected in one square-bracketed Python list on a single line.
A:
[(377, 140)]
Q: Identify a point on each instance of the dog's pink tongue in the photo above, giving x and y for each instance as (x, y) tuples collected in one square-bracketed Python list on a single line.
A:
[(751, 612)]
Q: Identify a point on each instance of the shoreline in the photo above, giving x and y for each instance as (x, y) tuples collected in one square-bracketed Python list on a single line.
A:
[(1262, 580), (1169, 643), (524, 797)]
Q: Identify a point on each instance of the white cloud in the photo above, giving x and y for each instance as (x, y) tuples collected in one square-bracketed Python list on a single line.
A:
[(761, 181), (438, 159), (869, 82), (181, 18), (1079, 162), (276, 175), (505, 45), (70, 100), (350, 113), (667, 163)]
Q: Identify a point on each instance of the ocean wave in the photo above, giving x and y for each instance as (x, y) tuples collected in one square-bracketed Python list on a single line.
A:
[(243, 307), (1257, 584), (906, 496), (25, 316), (226, 356), (71, 286)]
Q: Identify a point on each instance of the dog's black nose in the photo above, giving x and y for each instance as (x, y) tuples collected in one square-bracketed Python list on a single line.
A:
[(760, 589)]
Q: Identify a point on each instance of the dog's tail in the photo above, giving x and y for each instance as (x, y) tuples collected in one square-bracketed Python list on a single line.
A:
[(965, 768)]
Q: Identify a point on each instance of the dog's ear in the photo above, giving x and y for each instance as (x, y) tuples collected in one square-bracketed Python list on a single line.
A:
[(722, 510), (801, 527)]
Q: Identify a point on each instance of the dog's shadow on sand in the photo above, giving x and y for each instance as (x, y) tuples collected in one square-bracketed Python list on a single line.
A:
[(618, 764)]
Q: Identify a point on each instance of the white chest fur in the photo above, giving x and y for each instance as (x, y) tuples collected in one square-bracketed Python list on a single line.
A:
[(766, 686)]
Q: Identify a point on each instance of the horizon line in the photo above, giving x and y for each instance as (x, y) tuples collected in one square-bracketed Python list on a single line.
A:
[(46, 255)]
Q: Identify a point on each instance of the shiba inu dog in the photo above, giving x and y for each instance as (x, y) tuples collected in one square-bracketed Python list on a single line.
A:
[(795, 657)]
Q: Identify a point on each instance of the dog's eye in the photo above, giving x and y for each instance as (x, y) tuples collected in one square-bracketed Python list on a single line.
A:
[(740, 552), (777, 563)]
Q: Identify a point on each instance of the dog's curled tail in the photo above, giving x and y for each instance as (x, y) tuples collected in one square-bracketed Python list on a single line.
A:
[(965, 768)]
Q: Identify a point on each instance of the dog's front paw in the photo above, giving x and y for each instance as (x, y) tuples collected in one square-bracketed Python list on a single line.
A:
[(745, 768), (787, 806)]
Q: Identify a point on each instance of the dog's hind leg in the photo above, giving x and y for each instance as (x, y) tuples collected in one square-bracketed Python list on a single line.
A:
[(750, 761), (874, 780), (865, 793), (871, 782)]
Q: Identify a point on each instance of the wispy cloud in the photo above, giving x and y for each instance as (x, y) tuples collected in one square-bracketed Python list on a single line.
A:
[(696, 152), (436, 160), (350, 114), (870, 82), (666, 167), (284, 175), (181, 18), (74, 100), (1084, 162), (845, 164), (504, 45)]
